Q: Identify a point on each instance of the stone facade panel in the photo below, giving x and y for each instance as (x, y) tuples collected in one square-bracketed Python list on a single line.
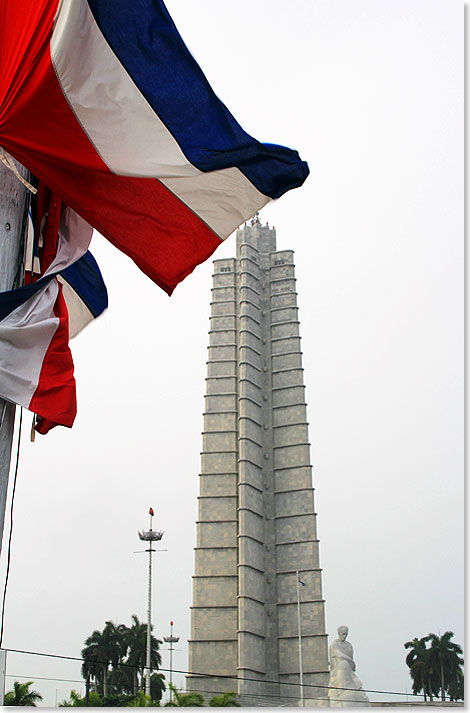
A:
[(217, 508), (220, 385), (285, 415), (251, 523), (297, 502), (222, 337), (286, 435), (285, 299), (222, 660), (284, 329), (251, 553), (223, 322), (286, 361), (223, 294), (215, 591), (216, 422), (312, 617), (295, 527), (297, 478), (220, 402), (222, 368), (218, 485), (219, 463), (214, 534), (221, 308), (215, 441), (215, 623), (287, 583), (285, 344), (288, 377), (292, 456), (300, 556), (288, 397), (217, 561)]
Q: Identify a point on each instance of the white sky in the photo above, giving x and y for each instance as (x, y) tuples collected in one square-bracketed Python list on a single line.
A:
[(370, 93)]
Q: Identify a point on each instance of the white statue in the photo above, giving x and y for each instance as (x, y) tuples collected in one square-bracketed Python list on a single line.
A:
[(342, 674)]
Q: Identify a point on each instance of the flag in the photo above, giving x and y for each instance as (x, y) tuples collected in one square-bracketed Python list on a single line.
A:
[(103, 102), (300, 581), (63, 291)]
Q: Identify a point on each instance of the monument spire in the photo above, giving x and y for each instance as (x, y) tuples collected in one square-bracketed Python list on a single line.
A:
[(257, 524)]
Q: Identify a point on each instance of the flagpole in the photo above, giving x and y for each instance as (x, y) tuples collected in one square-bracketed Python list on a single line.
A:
[(300, 642), (14, 202)]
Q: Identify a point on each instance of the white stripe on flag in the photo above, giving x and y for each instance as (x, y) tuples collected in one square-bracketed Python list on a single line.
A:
[(73, 241), (126, 132), (25, 336), (79, 314)]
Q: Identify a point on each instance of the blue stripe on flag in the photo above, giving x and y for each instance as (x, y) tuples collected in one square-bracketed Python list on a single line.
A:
[(85, 278), (144, 38), (12, 299)]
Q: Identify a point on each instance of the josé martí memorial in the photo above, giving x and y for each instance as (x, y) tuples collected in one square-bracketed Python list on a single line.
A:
[(256, 525)]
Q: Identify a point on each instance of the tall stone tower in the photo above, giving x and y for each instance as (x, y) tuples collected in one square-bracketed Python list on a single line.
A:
[(256, 524)]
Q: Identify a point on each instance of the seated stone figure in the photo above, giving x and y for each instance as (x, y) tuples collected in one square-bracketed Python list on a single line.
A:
[(342, 674)]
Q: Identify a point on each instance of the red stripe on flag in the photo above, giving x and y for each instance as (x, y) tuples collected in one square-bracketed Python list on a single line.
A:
[(55, 399)]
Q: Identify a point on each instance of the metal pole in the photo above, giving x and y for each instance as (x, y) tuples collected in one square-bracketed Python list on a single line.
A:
[(300, 643), (171, 640), (149, 536), (14, 201), (149, 613)]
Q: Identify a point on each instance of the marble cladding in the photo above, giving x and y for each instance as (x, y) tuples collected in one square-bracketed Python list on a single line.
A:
[(256, 520)]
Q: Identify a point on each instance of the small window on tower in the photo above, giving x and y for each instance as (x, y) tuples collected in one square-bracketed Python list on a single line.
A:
[(279, 262), (225, 269)]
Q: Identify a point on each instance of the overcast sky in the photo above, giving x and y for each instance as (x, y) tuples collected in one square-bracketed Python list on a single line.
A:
[(370, 92)]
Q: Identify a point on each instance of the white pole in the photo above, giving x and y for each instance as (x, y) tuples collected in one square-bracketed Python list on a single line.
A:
[(149, 614), (13, 214), (3, 669), (171, 660), (300, 642)]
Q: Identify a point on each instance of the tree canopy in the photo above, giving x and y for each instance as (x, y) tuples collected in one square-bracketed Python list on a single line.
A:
[(21, 695), (114, 660), (435, 664)]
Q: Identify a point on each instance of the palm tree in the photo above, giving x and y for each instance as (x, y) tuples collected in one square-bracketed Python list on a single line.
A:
[(456, 689), (121, 679), (225, 699), (102, 648), (445, 655), (157, 686), (21, 695), (421, 671), (136, 640), (185, 699)]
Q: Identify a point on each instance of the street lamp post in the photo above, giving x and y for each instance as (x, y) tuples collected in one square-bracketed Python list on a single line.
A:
[(150, 536), (171, 640)]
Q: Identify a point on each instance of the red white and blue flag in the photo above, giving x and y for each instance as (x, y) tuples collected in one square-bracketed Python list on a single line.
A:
[(102, 101), (63, 292)]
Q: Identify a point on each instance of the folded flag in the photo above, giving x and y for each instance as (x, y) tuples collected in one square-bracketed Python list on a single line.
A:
[(104, 103), (300, 581), (63, 291)]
